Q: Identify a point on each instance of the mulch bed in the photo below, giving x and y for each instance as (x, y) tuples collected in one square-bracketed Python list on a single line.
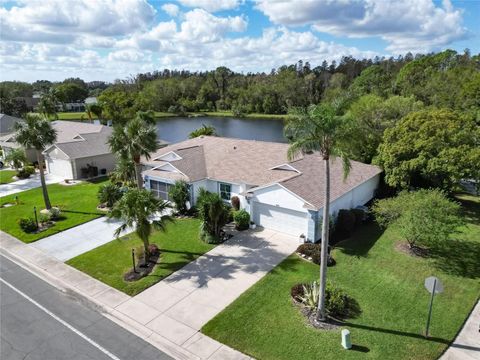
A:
[(415, 251), (142, 271), (310, 315)]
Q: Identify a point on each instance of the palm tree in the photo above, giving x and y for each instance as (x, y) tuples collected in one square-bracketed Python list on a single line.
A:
[(36, 133), (47, 105), (136, 209), (318, 129), (137, 138), (207, 130)]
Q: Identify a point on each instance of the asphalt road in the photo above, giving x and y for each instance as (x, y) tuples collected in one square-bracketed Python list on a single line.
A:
[(37, 321)]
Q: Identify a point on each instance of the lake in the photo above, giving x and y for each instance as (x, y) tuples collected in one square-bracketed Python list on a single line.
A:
[(177, 129)]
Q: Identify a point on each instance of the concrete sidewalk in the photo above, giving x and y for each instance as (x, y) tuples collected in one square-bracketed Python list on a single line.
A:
[(466, 346), (169, 314), (77, 240), (27, 184)]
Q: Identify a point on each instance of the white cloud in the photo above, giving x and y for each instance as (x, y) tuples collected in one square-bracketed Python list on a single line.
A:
[(409, 25), (59, 21), (212, 5), (129, 55), (171, 9)]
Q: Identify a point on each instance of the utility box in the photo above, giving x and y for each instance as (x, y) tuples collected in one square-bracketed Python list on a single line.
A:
[(346, 341)]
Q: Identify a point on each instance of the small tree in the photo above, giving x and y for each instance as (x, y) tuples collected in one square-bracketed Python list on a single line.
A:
[(17, 158), (179, 194), (206, 130), (137, 209), (422, 217), (214, 214), (109, 194)]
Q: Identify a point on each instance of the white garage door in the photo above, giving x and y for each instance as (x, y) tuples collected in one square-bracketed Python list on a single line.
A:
[(280, 219), (62, 168)]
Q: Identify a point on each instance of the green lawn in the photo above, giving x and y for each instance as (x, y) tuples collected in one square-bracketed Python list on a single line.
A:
[(387, 284), (179, 246), (6, 176), (78, 204)]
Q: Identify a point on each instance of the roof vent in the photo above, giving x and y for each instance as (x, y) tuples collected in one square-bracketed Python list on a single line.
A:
[(287, 167)]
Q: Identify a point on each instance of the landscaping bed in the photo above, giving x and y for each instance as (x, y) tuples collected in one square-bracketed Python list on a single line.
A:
[(388, 286), (78, 205), (178, 246)]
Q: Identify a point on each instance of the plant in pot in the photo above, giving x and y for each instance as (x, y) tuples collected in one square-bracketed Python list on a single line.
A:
[(252, 225)]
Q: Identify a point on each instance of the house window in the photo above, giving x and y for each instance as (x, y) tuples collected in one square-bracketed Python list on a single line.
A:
[(225, 191), (160, 189)]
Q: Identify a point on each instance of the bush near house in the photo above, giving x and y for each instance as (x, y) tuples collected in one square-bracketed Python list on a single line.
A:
[(179, 195), (214, 214), (242, 219)]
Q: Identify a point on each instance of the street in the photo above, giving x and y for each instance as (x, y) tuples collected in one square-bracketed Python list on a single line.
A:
[(37, 321)]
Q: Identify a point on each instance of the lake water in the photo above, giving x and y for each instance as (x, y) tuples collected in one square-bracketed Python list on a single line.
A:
[(178, 128)]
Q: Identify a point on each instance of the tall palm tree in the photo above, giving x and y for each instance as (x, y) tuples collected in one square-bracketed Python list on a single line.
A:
[(136, 209), (318, 128), (36, 133), (137, 138)]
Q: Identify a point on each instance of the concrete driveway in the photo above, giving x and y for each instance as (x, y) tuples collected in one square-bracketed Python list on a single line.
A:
[(79, 239), (27, 184), (178, 306)]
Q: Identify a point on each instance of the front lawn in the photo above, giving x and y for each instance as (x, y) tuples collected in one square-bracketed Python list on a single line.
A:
[(78, 204), (388, 286), (178, 246), (6, 176)]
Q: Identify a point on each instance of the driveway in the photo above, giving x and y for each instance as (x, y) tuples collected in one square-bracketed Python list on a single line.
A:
[(79, 239), (178, 306), (27, 184)]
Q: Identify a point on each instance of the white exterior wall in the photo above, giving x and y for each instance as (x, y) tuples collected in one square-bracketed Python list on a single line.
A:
[(106, 161), (357, 196)]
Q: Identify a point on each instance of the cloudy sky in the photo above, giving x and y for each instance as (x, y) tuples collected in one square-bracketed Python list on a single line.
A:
[(109, 39)]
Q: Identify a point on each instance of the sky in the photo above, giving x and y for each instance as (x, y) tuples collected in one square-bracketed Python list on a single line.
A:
[(115, 39)]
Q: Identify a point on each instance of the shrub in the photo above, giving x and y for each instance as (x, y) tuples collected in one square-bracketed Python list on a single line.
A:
[(29, 170), (242, 219), (239, 111), (360, 216), (153, 249), (23, 174), (235, 201), (55, 213), (314, 251), (179, 194), (44, 218), (344, 225), (28, 225), (337, 303), (213, 212), (296, 292), (109, 194)]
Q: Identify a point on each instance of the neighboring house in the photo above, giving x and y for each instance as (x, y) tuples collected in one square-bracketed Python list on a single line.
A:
[(7, 137), (279, 195), (81, 150)]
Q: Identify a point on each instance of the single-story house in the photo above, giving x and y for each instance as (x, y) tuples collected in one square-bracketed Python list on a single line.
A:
[(286, 196), (7, 137), (81, 150)]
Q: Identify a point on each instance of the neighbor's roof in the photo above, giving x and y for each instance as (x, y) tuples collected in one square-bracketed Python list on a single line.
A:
[(79, 140), (7, 122), (257, 164)]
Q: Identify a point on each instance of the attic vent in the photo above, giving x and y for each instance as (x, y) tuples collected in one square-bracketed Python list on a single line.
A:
[(287, 167), (78, 137)]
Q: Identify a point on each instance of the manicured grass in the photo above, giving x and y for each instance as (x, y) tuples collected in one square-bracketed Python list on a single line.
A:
[(389, 287), (78, 204), (179, 246), (6, 176)]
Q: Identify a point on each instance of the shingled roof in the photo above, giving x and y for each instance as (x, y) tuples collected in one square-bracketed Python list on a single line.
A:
[(257, 164)]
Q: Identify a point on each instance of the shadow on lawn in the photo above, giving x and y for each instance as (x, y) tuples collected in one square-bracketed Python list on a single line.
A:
[(81, 212), (396, 332), (363, 239), (457, 257)]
